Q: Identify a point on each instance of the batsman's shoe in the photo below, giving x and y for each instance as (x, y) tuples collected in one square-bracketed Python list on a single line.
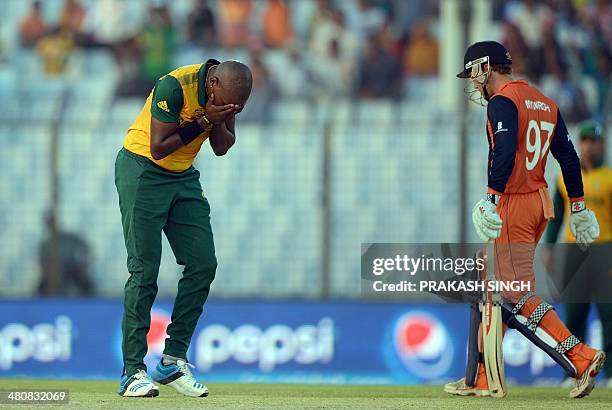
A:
[(137, 385), (586, 383), (179, 376), (459, 388)]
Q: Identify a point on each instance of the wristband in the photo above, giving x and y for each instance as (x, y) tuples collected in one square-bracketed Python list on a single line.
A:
[(190, 131), (577, 206), (493, 198)]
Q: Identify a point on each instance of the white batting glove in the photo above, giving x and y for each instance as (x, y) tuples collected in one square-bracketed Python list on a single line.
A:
[(486, 221), (583, 225)]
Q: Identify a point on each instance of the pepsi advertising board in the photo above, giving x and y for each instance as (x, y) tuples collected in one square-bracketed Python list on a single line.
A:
[(263, 341)]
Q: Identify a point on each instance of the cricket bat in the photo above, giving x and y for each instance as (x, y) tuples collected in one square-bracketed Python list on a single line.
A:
[(492, 333)]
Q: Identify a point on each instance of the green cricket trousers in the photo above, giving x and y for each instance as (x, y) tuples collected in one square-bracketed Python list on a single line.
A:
[(152, 199), (586, 281)]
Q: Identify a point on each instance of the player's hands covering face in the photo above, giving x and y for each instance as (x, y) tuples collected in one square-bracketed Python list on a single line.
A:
[(486, 221), (218, 114)]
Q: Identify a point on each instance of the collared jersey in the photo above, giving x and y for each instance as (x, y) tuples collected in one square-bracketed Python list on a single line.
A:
[(179, 96)]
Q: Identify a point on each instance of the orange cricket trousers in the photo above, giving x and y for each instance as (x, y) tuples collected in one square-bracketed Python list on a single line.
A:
[(524, 218)]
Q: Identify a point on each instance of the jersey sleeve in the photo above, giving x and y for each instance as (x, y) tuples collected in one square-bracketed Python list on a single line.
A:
[(563, 151), (502, 116), (167, 100)]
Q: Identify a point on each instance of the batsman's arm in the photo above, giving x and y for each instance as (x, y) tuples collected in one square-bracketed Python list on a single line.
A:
[(563, 151), (502, 116)]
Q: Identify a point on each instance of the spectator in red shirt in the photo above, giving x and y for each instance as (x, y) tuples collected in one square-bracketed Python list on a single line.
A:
[(33, 27), (277, 25)]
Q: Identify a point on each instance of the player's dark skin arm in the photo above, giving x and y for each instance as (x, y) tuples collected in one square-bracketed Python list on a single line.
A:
[(222, 137), (223, 134), (164, 139)]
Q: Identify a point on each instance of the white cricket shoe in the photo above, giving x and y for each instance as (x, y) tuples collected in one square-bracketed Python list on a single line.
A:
[(179, 376), (459, 388), (137, 385), (586, 382)]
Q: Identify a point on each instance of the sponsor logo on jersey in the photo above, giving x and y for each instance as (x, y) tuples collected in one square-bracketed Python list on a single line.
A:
[(500, 127), (163, 105)]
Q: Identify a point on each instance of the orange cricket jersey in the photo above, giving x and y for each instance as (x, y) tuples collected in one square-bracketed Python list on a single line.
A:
[(537, 119)]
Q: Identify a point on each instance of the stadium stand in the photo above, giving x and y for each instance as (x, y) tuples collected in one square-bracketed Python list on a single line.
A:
[(393, 165)]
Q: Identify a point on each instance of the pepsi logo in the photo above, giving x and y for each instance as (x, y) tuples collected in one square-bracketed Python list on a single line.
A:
[(423, 345), (157, 331), (156, 338)]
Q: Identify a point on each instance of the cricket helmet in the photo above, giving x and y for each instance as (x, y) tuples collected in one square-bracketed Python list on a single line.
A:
[(476, 56)]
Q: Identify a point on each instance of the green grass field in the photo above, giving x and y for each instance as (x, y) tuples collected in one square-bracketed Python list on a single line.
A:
[(101, 394)]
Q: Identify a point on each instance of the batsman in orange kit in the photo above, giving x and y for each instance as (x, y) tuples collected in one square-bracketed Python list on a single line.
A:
[(523, 126)]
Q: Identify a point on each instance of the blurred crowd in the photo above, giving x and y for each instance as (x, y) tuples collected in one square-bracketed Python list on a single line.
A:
[(360, 48), (565, 46)]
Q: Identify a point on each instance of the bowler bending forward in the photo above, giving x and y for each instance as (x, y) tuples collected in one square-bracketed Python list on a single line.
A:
[(523, 126), (159, 190)]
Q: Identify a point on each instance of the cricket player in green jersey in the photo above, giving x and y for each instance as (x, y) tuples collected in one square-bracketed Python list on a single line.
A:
[(159, 190)]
